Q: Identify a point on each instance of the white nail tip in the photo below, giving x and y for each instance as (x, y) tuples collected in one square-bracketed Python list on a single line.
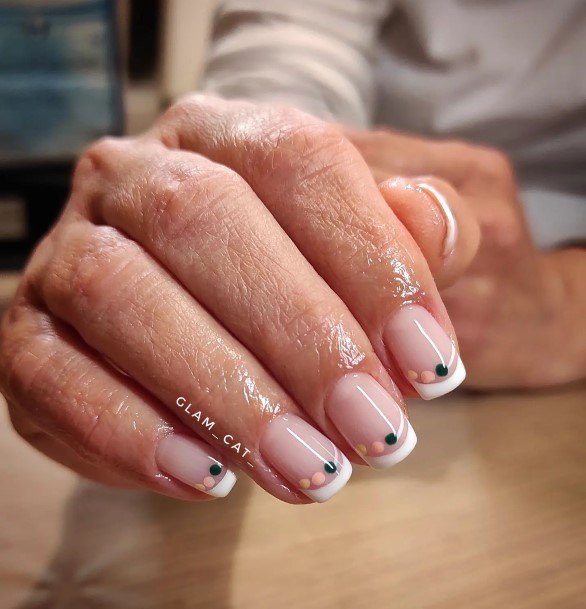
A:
[(337, 484), (401, 453), (451, 226), (430, 391), (224, 486)]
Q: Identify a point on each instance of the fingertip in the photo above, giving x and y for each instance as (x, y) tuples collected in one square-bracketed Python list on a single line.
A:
[(442, 225), (225, 485), (196, 464)]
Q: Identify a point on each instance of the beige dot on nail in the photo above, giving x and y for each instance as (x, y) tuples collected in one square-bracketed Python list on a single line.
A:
[(305, 483), (427, 376), (200, 487), (412, 375), (378, 448), (318, 478), (209, 482), (361, 449)]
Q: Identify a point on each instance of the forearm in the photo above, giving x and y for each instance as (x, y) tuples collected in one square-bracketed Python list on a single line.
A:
[(314, 54)]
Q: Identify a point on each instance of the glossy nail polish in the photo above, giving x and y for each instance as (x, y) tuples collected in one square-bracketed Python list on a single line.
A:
[(305, 457), (195, 464), (425, 353), (451, 225), (370, 420)]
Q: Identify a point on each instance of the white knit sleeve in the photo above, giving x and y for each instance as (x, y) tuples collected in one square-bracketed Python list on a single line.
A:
[(314, 54)]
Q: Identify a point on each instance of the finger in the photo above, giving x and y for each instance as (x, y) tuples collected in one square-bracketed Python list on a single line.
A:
[(131, 310), (249, 275), (62, 453), (321, 192), (441, 223), (76, 409), (391, 152)]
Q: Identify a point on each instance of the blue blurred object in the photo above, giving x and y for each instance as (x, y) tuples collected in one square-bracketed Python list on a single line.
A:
[(60, 78)]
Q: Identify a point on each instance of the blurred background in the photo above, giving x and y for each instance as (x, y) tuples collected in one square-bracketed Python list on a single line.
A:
[(490, 511), (70, 72)]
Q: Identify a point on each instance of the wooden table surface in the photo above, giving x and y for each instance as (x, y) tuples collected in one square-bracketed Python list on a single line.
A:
[(489, 512)]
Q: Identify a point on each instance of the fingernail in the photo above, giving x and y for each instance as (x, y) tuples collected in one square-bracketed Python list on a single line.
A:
[(305, 457), (424, 352), (372, 422), (451, 225), (195, 464)]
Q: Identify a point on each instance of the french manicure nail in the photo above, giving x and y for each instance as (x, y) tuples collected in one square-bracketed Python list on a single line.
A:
[(305, 457), (372, 422), (451, 225), (425, 353), (195, 464)]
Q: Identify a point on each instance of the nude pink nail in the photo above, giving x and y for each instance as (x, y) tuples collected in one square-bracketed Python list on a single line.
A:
[(305, 457), (424, 352), (195, 464), (372, 422)]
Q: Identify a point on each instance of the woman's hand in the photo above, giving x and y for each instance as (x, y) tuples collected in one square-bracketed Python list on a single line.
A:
[(230, 287), (518, 311)]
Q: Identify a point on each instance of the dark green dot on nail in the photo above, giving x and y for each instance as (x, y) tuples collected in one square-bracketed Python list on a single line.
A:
[(215, 469), (330, 467), (441, 370), (391, 438)]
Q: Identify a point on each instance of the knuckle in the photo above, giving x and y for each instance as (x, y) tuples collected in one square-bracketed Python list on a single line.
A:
[(182, 111), (489, 163), (95, 161), (188, 204), (297, 146), (79, 273), (322, 332), (183, 106), (503, 230), (495, 164), (97, 261), (172, 116), (306, 135), (26, 350), (311, 316), (103, 151), (83, 172), (103, 425)]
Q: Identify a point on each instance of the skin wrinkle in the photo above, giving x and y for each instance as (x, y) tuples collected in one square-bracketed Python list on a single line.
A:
[(400, 278), (399, 285), (94, 452), (240, 373), (401, 282), (243, 278), (67, 421), (206, 225), (247, 267), (292, 131), (23, 376), (105, 255), (99, 315), (177, 213), (349, 356), (110, 421), (198, 223), (251, 398)]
